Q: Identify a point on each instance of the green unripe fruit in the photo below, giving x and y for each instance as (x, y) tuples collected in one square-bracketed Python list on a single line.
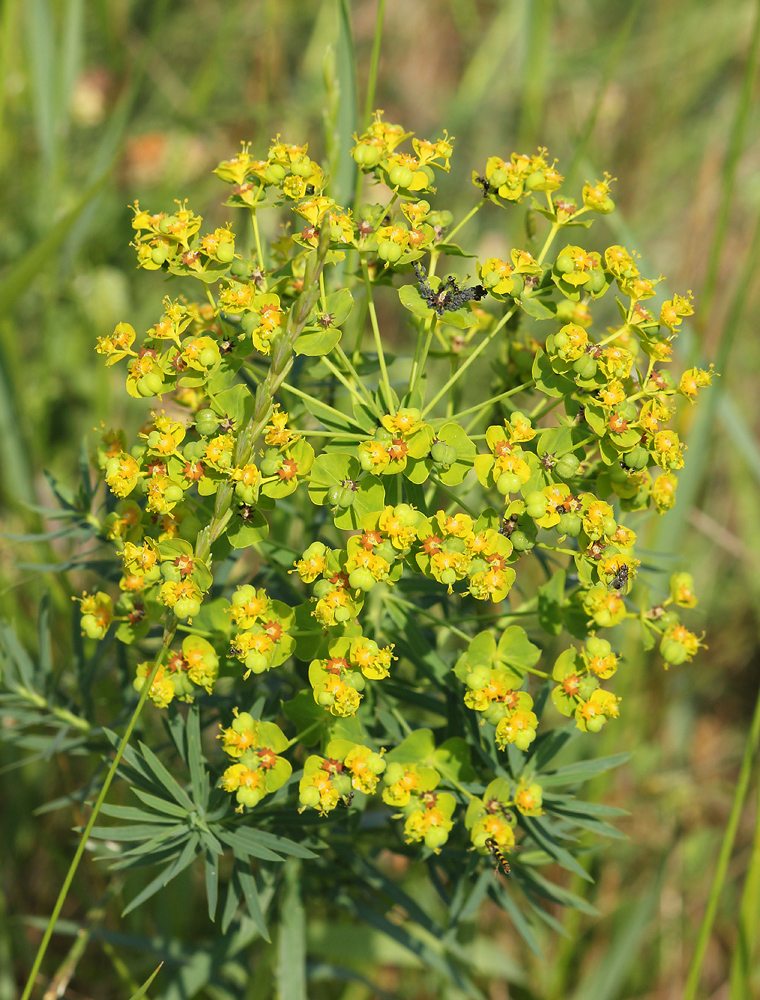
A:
[(166, 224), (492, 279), (325, 699), (596, 283), (364, 460), (334, 494), (355, 680), (569, 524), (208, 356), (375, 763), (637, 459), (342, 614), (438, 451), (247, 797), (598, 647), (567, 466), (225, 252), (400, 176), (558, 342), (520, 541), (498, 178), (274, 173), (170, 572), (270, 466), (535, 512), (407, 515), (159, 254), (518, 285), (361, 579), (448, 576), (342, 785), (242, 722), (309, 797), (605, 206), (587, 686), (494, 713), (386, 551), (187, 607), (322, 588), (564, 263), (91, 627), (301, 166), (595, 723), (366, 155), (478, 678), (609, 525), (257, 663), (206, 422), (536, 499), (585, 367), (668, 619), (524, 739), (436, 837), (336, 233), (534, 180), (347, 496), (394, 773), (150, 385), (454, 544), (173, 494), (508, 482), (445, 218), (389, 252), (247, 494)]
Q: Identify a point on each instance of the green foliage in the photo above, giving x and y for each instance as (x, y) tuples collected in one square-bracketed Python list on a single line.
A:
[(425, 687)]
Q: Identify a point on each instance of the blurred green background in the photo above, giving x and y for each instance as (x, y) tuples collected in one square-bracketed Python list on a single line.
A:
[(106, 101)]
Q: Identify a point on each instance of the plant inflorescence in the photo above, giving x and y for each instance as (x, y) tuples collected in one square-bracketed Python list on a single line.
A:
[(362, 571)]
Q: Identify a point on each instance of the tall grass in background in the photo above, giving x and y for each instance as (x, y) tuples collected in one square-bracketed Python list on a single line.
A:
[(105, 102)]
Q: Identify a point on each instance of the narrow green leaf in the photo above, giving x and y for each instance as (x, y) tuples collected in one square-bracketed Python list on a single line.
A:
[(582, 770), (166, 779), (244, 846), (144, 988), (198, 772), (161, 805), (185, 859), (250, 895), (541, 833), (291, 941), (230, 903), (212, 883), (501, 896)]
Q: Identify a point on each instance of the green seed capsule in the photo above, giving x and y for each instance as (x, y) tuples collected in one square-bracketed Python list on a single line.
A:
[(401, 176)]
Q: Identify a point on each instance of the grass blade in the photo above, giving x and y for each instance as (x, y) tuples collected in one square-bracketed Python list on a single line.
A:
[(291, 943)]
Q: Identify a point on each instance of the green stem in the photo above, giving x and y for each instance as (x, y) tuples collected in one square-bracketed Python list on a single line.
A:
[(168, 635), (452, 495), (429, 614), (378, 341), (60, 713), (492, 400), (299, 737), (550, 239), (341, 378), (733, 154), (323, 406), (373, 64), (450, 236), (355, 376), (721, 870), (424, 336), (475, 354), (263, 400)]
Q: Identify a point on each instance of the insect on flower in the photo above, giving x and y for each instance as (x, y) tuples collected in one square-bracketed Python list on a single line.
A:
[(499, 859), (619, 580)]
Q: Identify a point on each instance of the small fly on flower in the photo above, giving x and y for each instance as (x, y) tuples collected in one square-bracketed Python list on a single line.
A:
[(620, 579), (499, 859)]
